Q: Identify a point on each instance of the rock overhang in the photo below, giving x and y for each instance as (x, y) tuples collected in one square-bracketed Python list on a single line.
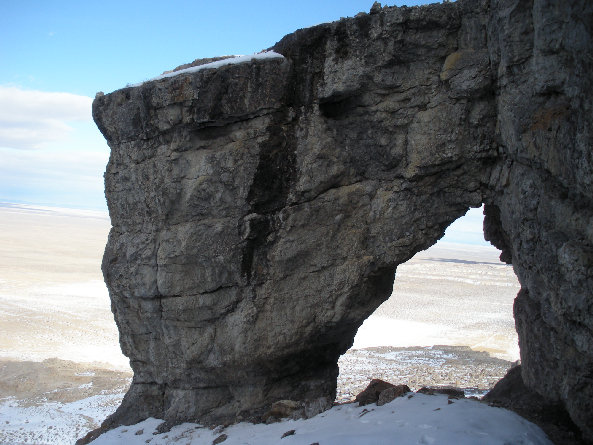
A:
[(260, 209)]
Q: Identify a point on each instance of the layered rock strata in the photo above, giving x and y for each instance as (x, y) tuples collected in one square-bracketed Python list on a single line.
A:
[(260, 209)]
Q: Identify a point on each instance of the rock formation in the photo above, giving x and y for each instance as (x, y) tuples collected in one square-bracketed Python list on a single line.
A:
[(260, 209)]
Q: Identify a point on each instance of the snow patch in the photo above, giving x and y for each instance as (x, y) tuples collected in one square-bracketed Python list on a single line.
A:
[(415, 419), (233, 60)]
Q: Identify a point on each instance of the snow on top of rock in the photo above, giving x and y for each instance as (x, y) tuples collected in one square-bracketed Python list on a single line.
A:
[(213, 65)]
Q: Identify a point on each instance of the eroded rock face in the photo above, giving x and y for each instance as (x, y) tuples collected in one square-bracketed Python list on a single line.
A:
[(260, 209)]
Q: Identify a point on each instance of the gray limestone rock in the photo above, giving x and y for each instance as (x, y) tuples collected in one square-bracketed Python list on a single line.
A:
[(390, 394), (260, 209)]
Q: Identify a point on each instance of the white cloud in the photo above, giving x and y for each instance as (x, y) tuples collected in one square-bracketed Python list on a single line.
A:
[(66, 178), (30, 119), (68, 170)]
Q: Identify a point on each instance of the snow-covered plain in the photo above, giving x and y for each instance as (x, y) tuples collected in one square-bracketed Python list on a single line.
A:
[(412, 419), (53, 301)]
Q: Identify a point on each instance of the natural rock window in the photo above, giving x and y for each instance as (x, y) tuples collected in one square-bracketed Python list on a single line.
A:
[(449, 322)]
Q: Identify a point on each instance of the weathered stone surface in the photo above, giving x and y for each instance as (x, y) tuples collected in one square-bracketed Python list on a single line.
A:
[(542, 195), (450, 392), (372, 392), (390, 394), (260, 210), (295, 410)]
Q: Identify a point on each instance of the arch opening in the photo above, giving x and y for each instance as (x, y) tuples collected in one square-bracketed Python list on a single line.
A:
[(448, 322)]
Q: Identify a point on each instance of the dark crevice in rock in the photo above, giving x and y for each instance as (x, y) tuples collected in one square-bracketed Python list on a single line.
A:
[(338, 106), (275, 172), (268, 193)]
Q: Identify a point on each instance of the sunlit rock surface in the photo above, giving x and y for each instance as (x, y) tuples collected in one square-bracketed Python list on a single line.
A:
[(260, 209)]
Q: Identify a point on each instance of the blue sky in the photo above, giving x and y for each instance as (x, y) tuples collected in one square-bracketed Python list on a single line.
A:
[(82, 47), (57, 54)]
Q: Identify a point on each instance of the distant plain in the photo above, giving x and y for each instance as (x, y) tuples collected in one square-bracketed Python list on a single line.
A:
[(54, 305)]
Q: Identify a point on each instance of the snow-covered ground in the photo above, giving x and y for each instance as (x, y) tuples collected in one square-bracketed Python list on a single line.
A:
[(413, 419), (53, 422), (55, 401)]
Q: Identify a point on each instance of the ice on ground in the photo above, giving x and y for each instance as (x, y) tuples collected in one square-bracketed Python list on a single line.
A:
[(419, 419)]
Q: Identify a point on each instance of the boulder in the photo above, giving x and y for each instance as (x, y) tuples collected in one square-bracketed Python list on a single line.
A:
[(372, 392), (390, 394)]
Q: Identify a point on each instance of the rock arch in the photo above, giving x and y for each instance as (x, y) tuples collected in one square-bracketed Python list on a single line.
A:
[(256, 207)]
